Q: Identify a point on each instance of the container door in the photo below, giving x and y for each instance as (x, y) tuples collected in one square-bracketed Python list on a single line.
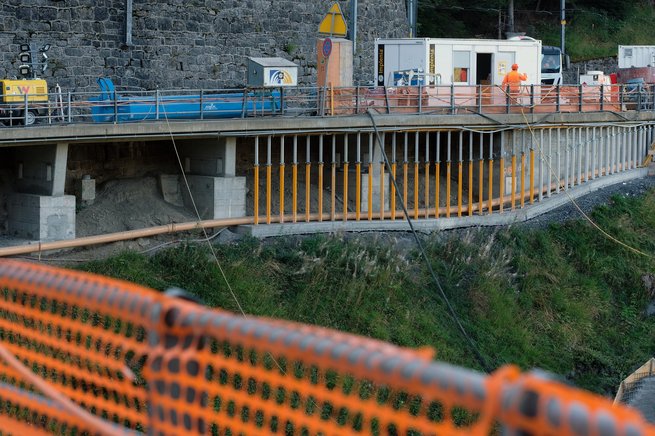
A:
[(504, 61), (483, 69), (387, 62), (412, 57)]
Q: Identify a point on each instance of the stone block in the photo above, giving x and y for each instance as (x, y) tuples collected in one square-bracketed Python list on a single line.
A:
[(352, 185), (86, 190), (651, 169), (169, 184), (42, 218), (217, 197)]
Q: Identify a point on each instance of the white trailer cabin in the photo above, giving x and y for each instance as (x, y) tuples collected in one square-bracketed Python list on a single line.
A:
[(636, 56), (455, 61)]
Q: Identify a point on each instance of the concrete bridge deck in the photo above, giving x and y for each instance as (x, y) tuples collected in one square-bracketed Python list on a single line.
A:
[(322, 173), (282, 125)]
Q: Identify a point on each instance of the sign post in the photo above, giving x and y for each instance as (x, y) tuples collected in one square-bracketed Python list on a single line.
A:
[(333, 24), (327, 47)]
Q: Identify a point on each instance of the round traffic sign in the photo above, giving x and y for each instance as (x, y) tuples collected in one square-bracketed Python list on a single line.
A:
[(327, 47)]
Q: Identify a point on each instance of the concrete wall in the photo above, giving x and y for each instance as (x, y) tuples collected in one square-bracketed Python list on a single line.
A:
[(40, 169), (41, 217), (6, 179), (108, 161), (182, 43)]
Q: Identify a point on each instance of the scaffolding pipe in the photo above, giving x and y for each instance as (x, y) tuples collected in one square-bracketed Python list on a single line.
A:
[(124, 236)]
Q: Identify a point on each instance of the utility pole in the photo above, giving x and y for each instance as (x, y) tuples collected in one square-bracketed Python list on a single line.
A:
[(412, 13), (563, 25), (353, 23), (128, 22), (510, 17)]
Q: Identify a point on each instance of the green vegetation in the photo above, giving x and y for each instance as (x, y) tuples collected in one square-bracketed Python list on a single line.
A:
[(594, 28), (595, 33), (564, 298)]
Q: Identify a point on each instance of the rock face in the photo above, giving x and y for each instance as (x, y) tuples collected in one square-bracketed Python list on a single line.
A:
[(182, 43)]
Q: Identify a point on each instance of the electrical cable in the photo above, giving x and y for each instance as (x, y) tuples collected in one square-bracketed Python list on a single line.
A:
[(451, 310), (177, 241), (232, 293), (570, 197), (197, 212), (572, 200)]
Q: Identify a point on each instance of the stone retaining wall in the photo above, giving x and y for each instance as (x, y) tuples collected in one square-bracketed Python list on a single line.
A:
[(182, 43), (606, 65)]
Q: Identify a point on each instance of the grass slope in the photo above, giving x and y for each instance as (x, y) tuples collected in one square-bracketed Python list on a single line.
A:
[(594, 33), (565, 298)]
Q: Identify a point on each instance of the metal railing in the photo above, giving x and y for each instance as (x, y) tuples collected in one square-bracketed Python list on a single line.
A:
[(131, 106), (631, 384)]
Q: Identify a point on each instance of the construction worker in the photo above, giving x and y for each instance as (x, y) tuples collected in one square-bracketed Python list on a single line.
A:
[(514, 79)]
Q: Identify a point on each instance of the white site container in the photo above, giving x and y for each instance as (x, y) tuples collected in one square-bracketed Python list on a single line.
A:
[(636, 56), (455, 61), (594, 78), (272, 72)]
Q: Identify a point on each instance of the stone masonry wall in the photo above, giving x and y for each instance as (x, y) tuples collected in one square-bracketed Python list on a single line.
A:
[(606, 65), (182, 43)]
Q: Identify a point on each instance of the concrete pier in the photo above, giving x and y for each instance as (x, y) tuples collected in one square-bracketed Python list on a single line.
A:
[(213, 187), (38, 209)]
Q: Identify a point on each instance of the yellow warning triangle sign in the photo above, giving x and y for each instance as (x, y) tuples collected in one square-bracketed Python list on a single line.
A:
[(333, 24)]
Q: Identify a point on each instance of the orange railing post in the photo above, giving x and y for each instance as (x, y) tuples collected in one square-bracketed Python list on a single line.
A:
[(268, 181), (294, 187)]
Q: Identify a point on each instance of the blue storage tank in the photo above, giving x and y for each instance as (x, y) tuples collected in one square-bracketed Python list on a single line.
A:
[(110, 106)]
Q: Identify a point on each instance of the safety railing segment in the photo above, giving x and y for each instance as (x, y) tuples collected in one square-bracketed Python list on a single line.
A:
[(120, 106), (630, 384), (136, 361)]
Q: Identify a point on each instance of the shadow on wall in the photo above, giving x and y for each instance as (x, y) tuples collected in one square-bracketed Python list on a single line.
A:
[(4, 194)]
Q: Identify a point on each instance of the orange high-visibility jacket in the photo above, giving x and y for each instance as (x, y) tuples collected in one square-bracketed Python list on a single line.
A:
[(514, 79)]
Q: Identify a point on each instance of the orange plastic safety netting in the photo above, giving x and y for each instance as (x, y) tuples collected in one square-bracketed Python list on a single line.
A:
[(133, 360)]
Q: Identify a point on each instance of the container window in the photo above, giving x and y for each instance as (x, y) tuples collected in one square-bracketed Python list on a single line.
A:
[(461, 66)]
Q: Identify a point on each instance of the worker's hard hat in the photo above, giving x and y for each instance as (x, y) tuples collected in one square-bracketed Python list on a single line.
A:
[(515, 66)]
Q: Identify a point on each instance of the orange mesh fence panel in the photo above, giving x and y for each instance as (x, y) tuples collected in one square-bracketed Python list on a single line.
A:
[(146, 362)]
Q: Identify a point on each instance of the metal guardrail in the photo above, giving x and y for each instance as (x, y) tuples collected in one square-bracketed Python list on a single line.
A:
[(131, 106)]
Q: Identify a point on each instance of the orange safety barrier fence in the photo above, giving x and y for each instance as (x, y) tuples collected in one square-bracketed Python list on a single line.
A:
[(135, 361)]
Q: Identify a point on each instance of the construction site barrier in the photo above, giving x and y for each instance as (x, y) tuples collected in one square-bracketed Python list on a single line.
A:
[(84, 354)]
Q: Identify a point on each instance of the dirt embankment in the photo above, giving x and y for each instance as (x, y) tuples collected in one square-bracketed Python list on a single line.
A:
[(127, 205)]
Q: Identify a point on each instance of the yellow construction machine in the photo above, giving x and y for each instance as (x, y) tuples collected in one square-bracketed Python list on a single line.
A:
[(23, 101)]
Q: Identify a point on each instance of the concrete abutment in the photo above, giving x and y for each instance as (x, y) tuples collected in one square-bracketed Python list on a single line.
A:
[(38, 208)]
